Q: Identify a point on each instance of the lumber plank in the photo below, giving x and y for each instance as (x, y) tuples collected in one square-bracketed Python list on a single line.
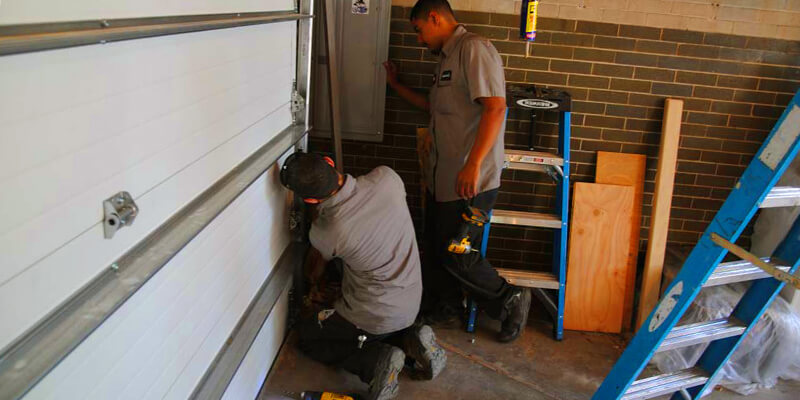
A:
[(598, 257), (627, 170), (662, 202)]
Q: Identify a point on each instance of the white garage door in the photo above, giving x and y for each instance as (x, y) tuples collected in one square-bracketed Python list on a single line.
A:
[(163, 118)]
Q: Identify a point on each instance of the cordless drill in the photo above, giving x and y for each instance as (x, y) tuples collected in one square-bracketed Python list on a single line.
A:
[(470, 217)]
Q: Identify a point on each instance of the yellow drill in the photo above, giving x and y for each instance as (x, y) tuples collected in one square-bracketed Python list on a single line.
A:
[(471, 217)]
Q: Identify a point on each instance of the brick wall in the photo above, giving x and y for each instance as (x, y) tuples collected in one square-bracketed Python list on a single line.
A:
[(763, 18), (734, 88)]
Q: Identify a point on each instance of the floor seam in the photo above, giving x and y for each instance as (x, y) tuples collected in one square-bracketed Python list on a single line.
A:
[(476, 359)]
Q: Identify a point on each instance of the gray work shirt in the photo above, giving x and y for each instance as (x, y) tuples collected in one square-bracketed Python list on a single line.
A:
[(469, 68), (367, 224)]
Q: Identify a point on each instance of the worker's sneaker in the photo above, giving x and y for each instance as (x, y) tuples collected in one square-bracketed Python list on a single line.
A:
[(429, 358), (518, 306), (384, 385)]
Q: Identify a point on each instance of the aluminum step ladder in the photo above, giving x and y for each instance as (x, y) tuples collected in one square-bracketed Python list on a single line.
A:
[(548, 287), (754, 190)]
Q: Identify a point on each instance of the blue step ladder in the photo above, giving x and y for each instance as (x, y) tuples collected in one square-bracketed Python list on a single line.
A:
[(754, 190), (548, 287)]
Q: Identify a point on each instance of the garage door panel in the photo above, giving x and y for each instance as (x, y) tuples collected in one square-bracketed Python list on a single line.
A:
[(82, 75), (44, 200), (78, 214), (183, 315), (29, 11), (47, 283), (75, 126), (187, 318)]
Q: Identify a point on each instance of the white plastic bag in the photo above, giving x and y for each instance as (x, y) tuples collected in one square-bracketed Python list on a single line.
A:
[(771, 350)]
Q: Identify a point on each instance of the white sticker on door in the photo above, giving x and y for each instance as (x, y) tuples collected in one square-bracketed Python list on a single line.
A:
[(361, 7)]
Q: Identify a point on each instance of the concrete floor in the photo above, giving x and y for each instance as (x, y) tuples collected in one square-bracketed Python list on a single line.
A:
[(533, 367)]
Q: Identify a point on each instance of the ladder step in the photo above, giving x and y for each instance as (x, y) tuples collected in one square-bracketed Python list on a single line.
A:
[(701, 332), (530, 279), (737, 271), (526, 219), (782, 196), (665, 384), (531, 160)]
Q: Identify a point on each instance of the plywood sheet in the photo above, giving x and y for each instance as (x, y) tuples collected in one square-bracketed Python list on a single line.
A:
[(598, 257), (627, 170), (662, 202)]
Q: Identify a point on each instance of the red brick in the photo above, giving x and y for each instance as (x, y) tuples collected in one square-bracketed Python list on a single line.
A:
[(616, 43), (713, 93), (643, 125), (708, 118), (641, 32), (588, 81), (620, 71), (696, 50), (572, 39), (598, 28), (672, 89), (594, 145), (571, 66), (720, 157), (645, 60), (604, 122), (543, 50), (656, 46), (701, 143), (626, 111), (731, 108), (622, 136), (646, 100), (696, 78), (737, 82), (609, 96), (768, 111), (655, 74), (751, 122), (630, 85), (594, 55), (546, 77), (754, 97)]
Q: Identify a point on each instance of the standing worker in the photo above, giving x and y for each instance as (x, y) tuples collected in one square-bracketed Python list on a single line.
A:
[(464, 159), (366, 223)]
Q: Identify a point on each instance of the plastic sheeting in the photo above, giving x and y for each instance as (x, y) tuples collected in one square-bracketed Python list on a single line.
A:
[(771, 351)]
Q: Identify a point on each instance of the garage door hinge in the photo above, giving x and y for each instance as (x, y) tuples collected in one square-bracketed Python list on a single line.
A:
[(118, 210), (298, 106)]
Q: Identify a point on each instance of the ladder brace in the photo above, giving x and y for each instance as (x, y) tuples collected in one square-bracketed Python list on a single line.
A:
[(747, 256)]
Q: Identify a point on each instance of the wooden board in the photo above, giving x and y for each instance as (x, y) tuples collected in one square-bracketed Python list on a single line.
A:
[(598, 257), (627, 170), (662, 201)]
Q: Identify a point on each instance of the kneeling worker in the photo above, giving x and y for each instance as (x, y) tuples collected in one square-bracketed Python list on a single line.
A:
[(366, 223)]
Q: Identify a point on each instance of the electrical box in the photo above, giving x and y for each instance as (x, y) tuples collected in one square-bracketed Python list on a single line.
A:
[(361, 33)]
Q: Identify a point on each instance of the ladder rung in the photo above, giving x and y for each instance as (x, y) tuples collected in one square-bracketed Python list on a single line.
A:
[(665, 384), (531, 160), (737, 271), (526, 219), (782, 196), (530, 279), (701, 332)]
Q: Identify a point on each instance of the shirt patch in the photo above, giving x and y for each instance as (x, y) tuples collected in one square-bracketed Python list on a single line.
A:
[(446, 75)]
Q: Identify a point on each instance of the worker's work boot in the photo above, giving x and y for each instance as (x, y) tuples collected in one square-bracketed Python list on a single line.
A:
[(518, 306), (429, 358), (384, 385)]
